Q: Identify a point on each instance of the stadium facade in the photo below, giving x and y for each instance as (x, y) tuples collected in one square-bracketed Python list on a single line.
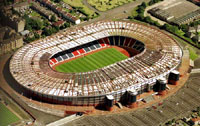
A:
[(156, 55)]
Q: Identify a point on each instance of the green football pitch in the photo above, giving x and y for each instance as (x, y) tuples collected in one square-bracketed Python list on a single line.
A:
[(6, 116), (92, 61)]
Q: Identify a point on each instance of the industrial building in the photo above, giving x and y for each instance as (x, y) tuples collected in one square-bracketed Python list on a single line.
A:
[(187, 18), (176, 12), (161, 14)]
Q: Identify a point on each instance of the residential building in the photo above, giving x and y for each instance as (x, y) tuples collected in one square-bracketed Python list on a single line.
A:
[(11, 20), (60, 11), (41, 10), (9, 40), (21, 7)]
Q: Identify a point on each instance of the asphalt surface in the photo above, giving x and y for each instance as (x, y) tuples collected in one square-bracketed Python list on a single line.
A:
[(116, 13), (7, 82), (178, 105)]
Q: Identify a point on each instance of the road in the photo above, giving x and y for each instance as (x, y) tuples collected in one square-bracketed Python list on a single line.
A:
[(116, 13), (152, 17), (9, 84)]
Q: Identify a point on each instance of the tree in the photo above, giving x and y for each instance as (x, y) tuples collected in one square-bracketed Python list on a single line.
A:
[(174, 29), (56, 28), (66, 24), (157, 23), (38, 24), (37, 36), (47, 31), (169, 123), (72, 11), (140, 16), (57, 1), (53, 18), (199, 113), (198, 109), (46, 23), (151, 3), (194, 39), (144, 4), (147, 19), (28, 27), (184, 27), (53, 30), (166, 26), (173, 120), (140, 10)]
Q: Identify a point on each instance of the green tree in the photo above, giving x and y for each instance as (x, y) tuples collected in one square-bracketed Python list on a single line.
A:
[(184, 27), (47, 31), (38, 24), (173, 120), (198, 109), (194, 39), (198, 113), (140, 10), (150, 3), (147, 19), (57, 1), (66, 24), (157, 23), (37, 36), (53, 18), (144, 4), (28, 27), (140, 17), (53, 30), (46, 23), (56, 28), (174, 29), (166, 26)]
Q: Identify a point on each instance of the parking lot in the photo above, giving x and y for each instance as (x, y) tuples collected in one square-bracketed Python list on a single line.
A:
[(178, 105)]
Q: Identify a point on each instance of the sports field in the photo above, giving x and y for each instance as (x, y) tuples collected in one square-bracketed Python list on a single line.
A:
[(6, 116), (92, 61)]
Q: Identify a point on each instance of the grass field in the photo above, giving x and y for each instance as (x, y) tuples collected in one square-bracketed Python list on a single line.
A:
[(6, 116), (104, 5), (193, 54), (79, 4), (92, 61), (192, 50)]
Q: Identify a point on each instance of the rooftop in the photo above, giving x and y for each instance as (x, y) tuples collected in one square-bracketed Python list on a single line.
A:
[(7, 34)]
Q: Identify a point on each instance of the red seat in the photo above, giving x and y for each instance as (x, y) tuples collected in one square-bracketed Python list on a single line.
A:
[(106, 40), (54, 60), (102, 43), (75, 53), (50, 62), (81, 51)]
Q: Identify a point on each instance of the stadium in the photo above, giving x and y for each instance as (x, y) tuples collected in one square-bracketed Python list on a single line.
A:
[(87, 65)]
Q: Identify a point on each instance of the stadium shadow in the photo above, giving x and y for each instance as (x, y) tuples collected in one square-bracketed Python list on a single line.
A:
[(132, 52), (10, 80), (17, 87), (101, 107)]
